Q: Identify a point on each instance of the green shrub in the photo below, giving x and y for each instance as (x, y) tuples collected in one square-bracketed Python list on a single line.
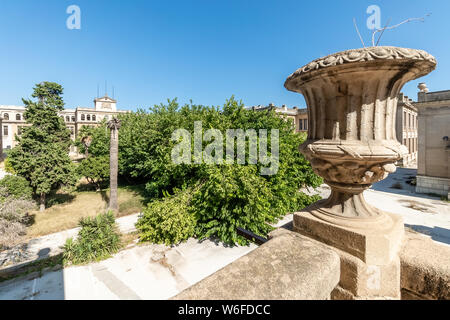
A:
[(167, 220), (230, 196), (98, 239), (8, 167), (16, 187), (96, 170)]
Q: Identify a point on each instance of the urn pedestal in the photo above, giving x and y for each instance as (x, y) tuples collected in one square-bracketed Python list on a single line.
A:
[(351, 98)]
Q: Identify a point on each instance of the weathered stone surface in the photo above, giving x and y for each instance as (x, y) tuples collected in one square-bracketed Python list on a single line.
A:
[(289, 266), (373, 246), (352, 101), (370, 268), (425, 268)]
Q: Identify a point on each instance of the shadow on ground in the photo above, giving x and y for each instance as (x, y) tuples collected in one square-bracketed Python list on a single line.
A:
[(398, 183), (436, 233)]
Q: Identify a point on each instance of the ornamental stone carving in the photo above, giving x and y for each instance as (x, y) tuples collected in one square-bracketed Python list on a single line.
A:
[(352, 99)]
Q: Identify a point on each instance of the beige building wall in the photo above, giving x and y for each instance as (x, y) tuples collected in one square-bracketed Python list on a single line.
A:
[(299, 117), (13, 120), (433, 174), (406, 127)]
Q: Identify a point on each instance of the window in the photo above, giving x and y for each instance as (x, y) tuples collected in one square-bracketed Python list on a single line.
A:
[(82, 117), (71, 130), (300, 124), (67, 119), (73, 118), (5, 130), (6, 116), (88, 117), (18, 117), (19, 130), (94, 118), (305, 124), (404, 119)]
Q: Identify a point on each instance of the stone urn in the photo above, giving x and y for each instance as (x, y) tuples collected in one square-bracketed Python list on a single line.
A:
[(352, 99)]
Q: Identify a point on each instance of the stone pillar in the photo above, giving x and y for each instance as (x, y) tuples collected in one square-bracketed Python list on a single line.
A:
[(114, 126), (352, 100)]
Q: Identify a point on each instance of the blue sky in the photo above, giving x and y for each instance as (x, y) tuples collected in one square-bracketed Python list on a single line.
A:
[(204, 50)]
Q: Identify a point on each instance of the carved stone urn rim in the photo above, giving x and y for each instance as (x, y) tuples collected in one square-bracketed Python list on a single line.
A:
[(363, 56)]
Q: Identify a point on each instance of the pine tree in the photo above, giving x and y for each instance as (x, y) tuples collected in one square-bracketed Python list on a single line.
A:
[(41, 155)]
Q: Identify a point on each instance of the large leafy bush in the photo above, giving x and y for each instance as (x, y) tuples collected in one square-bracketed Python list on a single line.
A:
[(96, 170), (98, 239), (168, 220), (223, 196), (16, 187)]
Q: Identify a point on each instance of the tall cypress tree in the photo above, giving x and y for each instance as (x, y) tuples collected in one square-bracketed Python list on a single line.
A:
[(41, 155)]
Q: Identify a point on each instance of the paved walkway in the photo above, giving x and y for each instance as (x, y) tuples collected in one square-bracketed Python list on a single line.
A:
[(50, 245), (142, 272)]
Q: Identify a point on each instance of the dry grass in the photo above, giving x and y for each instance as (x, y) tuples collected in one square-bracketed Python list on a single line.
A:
[(68, 209)]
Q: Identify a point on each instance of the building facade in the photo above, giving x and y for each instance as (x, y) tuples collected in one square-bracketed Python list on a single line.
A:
[(299, 117), (13, 120), (433, 170), (406, 129)]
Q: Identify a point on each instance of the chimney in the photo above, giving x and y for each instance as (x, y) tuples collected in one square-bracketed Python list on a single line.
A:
[(422, 95), (423, 87)]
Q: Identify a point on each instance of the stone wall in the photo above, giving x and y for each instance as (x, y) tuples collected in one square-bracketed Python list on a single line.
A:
[(425, 268), (289, 267), (433, 185)]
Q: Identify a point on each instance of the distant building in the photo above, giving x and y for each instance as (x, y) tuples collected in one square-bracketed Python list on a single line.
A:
[(299, 116), (433, 172), (12, 120), (406, 129)]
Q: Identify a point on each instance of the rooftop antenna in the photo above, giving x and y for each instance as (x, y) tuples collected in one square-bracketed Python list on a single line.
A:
[(106, 87), (98, 90), (113, 92)]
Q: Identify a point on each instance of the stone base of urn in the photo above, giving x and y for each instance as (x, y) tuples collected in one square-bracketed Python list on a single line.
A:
[(370, 266)]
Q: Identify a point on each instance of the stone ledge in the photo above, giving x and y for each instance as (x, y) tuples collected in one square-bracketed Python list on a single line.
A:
[(425, 268), (289, 266)]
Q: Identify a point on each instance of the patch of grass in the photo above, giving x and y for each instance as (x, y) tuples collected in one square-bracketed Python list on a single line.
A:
[(66, 215), (36, 266)]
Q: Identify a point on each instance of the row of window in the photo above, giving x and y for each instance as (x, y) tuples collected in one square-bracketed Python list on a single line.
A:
[(409, 120), (302, 124), (6, 116), (411, 144), (84, 117), (19, 130), (6, 130)]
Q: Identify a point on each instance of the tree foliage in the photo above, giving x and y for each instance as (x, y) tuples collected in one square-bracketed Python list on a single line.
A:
[(96, 170), (41, 155), (221, 197)]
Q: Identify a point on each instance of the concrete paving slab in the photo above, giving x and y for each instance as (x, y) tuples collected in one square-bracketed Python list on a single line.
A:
[(142, 272)]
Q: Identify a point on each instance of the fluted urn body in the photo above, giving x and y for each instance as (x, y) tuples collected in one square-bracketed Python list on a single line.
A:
[(352, 99)]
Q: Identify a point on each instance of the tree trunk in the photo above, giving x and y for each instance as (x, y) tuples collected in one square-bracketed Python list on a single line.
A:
[(42, 202), (113, 165)]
